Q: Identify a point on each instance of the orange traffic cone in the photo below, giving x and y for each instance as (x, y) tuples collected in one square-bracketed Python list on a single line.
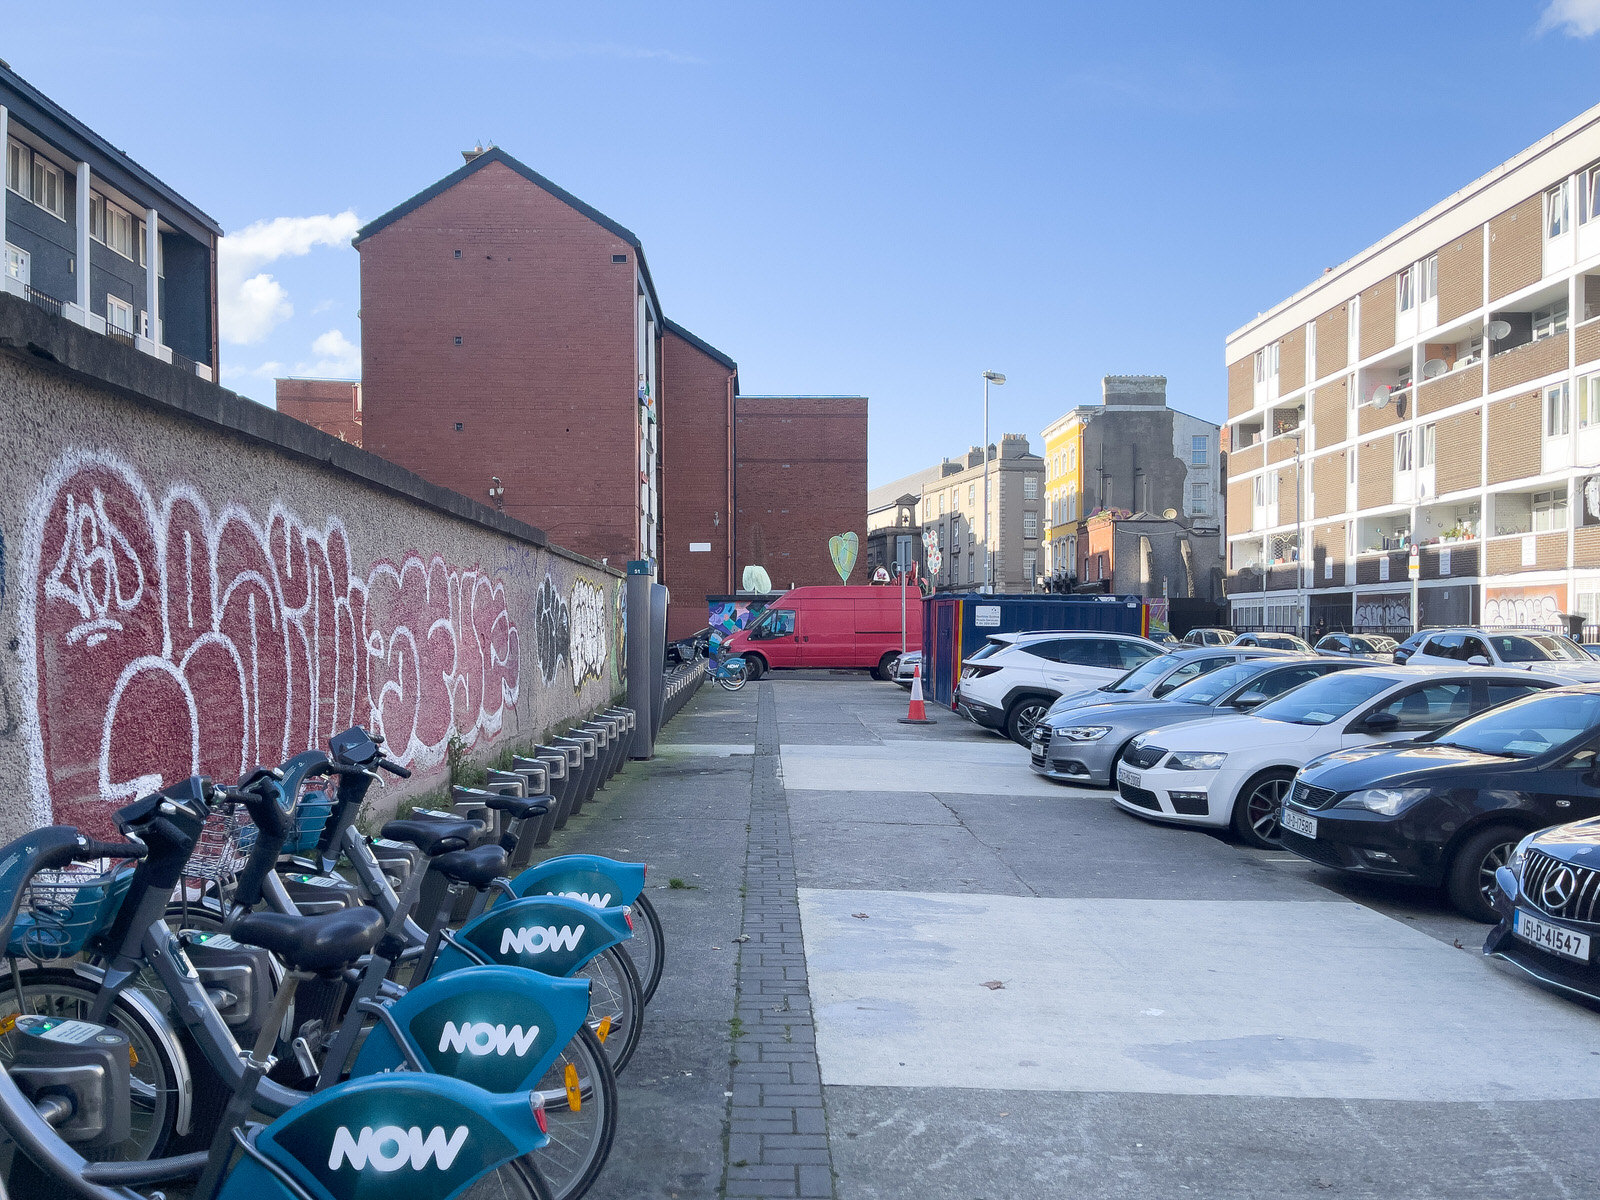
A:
[(918, 714)]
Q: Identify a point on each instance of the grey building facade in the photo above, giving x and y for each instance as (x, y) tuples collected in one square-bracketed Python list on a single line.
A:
[(953, 507), (92, 236)]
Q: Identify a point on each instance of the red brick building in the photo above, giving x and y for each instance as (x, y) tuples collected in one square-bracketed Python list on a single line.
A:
[(800, 477), (507, 331), (332, 405)]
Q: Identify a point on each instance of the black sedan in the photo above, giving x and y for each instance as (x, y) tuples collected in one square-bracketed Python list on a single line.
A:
[(1548, 902), (1447, 810)]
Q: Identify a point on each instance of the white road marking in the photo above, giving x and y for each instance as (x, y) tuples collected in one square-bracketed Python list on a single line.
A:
[(969, 768), (1255, 998)]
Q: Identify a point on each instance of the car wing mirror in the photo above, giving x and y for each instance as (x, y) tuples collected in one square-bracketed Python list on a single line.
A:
[(1477, 660), (1249, 700), (1381, 721)]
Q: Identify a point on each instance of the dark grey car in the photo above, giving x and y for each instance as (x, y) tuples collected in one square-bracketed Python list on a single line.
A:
[(1084, 744), (1159, 676)]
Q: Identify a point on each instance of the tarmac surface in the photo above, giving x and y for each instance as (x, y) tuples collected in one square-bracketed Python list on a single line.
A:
[(1177, 1015)]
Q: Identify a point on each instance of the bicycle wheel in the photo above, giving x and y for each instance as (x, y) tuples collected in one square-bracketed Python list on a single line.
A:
[(648, 946), (519, 1179), (614, 992), (580, 1139), (157, 1073)]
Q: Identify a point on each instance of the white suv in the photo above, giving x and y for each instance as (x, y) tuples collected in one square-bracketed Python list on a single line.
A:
[(1011, 682), (1521, 650)]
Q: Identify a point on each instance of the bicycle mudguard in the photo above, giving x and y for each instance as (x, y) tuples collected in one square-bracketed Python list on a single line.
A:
[(548, 934), (426, 1137), (499, 1028), (602, 882)]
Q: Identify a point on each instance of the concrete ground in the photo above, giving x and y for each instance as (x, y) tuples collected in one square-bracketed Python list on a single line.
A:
[(1176, 1015)]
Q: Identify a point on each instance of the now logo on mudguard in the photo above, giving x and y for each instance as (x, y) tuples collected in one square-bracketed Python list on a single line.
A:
[(388, 1148), (536, 939), (593, 899), (480, 1038)]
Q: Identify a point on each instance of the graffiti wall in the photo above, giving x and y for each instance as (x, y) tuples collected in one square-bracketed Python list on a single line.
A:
[(179, 601), (1540, 605)]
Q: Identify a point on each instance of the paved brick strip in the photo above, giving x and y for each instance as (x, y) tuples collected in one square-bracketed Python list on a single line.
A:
[(778, 1135)]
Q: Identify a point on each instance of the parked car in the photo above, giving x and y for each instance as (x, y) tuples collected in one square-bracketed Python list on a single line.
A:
[(1545, 898), (829, 627), (1592, 649), (1084, 744), (905, 667), (1012, 686), (1235, 772), (1448, 810), (1497, 648), (1404, 651), (1370, 646), (1273, 641), (1156, 677), (1208, 636)]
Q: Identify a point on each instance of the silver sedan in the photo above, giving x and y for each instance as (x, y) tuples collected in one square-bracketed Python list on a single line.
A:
[(1084, 744)]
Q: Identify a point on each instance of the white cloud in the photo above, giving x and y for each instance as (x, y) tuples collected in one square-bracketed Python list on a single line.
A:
[(1575, 18), (252, 302), (267, 370), (337, 358)]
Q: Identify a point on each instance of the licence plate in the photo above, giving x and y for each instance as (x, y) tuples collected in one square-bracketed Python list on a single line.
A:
[(1551, 937), (1037, 747), (1128, 776), (1297, 822)]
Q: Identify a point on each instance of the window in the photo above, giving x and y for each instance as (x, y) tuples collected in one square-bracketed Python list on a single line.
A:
[(1589, 195), (1261, 366), (19, 174), (1030, 566), (36, 178), (1426, 445), (119, 314), (1557, 220), (1406, 289), (1402, 450), (1072, 458), (1550, 510), (97, 216), (1030, 487), (119, 230), (1547, 322), (1072, 506), (1199, 450), (17, 264), (1030, 524), (972, 494), (1431, 706), (970, 561), (1199, 499), (1351, 459), (1429, 282), (1556, 411), (1588, 401), (941, 504)]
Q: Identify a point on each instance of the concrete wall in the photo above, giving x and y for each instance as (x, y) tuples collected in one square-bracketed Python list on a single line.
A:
[(194, 582)]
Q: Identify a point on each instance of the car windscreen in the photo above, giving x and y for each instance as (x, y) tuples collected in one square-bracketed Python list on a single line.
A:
[(1280, 641), (1513, 647), (1208, 688), (1528, 726), (1324, 700), (1372, 645), (1145, 674)]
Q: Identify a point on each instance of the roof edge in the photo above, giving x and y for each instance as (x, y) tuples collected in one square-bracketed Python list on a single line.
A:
[(698, 343)]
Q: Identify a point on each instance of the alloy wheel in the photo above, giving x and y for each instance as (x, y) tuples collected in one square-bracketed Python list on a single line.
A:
[(1497, 856), (1028, 718), (1262, 807)]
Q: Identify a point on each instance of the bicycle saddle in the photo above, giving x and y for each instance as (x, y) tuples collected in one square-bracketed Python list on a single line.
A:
[(433, 836), (327, 942), (476, 868), (519, 807)]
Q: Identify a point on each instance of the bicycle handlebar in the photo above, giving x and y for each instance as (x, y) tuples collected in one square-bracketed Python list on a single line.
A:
[(90, 850), (394, 768)]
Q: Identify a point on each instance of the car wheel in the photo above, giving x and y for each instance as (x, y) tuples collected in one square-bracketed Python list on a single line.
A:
[(886, 667), (1116, 764), (1255, 812), (754, 668), (1024, 715), (1471, 879)]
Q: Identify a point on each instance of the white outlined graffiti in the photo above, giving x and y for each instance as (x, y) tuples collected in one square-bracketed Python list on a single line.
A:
[(589, 621)]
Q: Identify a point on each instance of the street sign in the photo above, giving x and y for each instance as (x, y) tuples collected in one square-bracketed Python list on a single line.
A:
[(1414, 565)]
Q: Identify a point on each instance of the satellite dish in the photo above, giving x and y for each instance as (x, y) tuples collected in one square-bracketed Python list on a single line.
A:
[(1169, 514), (1434, 368), (1379, 397), (1498, 330)]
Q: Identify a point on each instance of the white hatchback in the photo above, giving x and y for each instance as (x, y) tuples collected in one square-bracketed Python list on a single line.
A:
[(1235, 771)]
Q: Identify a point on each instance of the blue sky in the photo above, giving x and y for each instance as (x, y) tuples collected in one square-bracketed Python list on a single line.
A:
[(883, 199)]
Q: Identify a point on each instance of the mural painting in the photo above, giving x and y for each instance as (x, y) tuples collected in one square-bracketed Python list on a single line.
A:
[(1524, 606), (160, 638), (728, 615)]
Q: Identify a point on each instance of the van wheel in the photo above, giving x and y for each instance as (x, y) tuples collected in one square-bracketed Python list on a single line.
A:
[(886, 667), (1024, 715), (754, 668)]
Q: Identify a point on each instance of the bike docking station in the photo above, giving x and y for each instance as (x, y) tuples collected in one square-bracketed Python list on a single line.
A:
[(917, 714)]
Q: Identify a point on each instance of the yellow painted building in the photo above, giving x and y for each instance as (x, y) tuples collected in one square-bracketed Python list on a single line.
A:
[(1063, 457)]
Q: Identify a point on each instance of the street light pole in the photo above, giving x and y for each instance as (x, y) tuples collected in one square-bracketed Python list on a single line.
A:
[(997, 379)]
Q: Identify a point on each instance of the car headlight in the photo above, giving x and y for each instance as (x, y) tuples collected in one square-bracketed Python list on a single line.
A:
[(1519, 856), (1084, 733), (1190, 760), (1386, 801)]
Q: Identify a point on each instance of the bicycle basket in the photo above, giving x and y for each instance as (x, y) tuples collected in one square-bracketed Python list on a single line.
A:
[(61, 909), (310, 817), (223, 846)]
